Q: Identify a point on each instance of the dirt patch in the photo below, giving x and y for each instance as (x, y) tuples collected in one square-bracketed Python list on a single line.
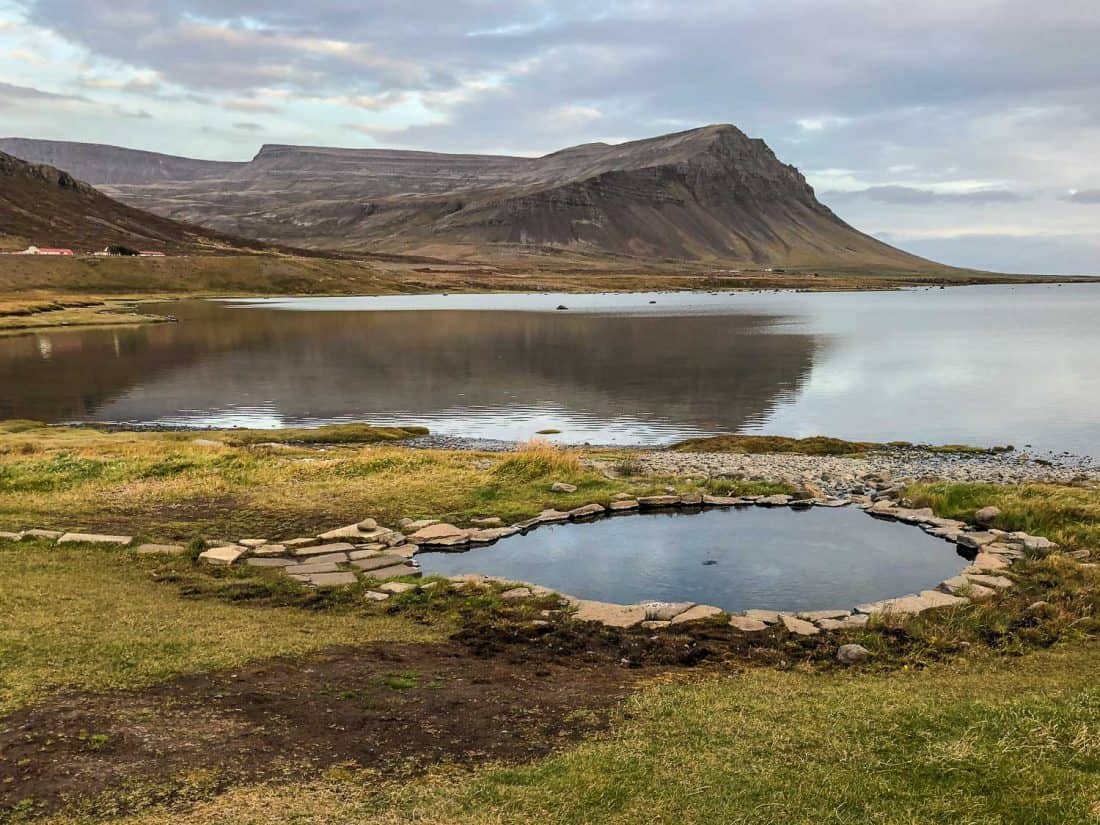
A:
[(396, 709)]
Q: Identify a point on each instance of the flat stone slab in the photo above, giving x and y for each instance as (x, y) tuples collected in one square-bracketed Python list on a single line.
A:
[(8, 536), (830, 502), (987, 561), (766, 616), (517, 593), (257, 561), (911, 605), (328, 558), (221, 555), (375, 596), (691, 499), (697, 613), (161, 550), (975, 541), (323, 549), (659, 501), (313, 567), (723, 501), (818, 615), (963, 586), (624, 504), (847, 623), (747, 625), (378, 562), (433, 532), (998, 582), (94, 538), (799, 627), (39, 533), (545, 517), (612, 615), (393, 572), (397, 587), (270, 550), (488, 535), (419, 524), (294, 544), (779, 500), (328, 579), (252, 543), (587, 511)]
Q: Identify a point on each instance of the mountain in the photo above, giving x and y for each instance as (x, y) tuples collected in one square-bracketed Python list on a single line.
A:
[(708, 194), (44, 206)]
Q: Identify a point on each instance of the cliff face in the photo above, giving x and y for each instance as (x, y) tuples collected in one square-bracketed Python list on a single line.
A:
[(706, 194)]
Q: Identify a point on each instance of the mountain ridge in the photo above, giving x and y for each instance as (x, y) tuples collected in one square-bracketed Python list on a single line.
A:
[(705, 194)]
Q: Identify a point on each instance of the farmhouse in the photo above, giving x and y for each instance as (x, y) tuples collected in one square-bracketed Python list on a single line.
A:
[(44, 250)]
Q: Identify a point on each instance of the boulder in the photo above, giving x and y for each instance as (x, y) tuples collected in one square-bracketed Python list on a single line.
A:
[(295, 544), (329, 558), (691, 499), (367, 524), (419, 524), (964, 586), (9, 536), (997, 582), (987, 515), (852, 654), (694, 614), (39, 533), (545, 517), (94, 538)]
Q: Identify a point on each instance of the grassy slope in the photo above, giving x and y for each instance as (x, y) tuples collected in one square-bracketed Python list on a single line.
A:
[(985, 741)]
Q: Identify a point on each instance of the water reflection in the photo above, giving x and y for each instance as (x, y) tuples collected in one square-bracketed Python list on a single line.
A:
[(1010, 364)]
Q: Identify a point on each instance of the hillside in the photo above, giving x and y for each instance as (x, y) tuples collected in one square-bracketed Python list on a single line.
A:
[(710, 194), (45, 206)]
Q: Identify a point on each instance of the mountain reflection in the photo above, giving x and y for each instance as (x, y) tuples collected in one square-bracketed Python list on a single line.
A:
[(222, 364)]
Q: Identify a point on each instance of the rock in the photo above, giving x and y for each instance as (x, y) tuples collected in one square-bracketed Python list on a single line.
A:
[(39, 533), (798, 626), (8, 536), (562, 487), (908, 516), (722, 501), (491, 534), (664, 611), (545, 517), (323, 549), (976, 541), (694, 614), (621, 497), (612, 615), (488, 521), (206, 442), (270, 550), (516, 593), (964, 586), (329, 558), (623, 504), (998, 582), (852, 654), (161, 550), (765, 616), (405, 551), (262, 562), (221, 555), (252, 544), (439, 534), (352, 531), (1038, 544), (818, 615), (419, 524), (1035, 607), (375, 596), (313, 567), (691, 499), (654, 624), (847, 623), (295, 544), (747, 625), (911, 605), (659, 501), (1007, 551), (367, 524), (1079, 555), (94, 538), (831, 502), (328, 579), (364, 553), (393, 572), (987, 561), (397, 587), (780, 500), (586, 511), (378, 562), (987, 515)]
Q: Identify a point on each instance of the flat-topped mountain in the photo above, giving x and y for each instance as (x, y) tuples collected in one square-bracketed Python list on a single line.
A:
[(44, 206), (706, 194)]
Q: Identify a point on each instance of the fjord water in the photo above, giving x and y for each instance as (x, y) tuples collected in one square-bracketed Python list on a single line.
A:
[(982, 365), (817, 559)]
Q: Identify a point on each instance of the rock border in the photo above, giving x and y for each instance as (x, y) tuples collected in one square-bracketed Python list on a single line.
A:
[(381, 555)]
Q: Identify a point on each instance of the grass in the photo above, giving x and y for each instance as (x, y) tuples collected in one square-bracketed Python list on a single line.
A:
[(983, 740), (91, 618), (814, 445), (166, 486)]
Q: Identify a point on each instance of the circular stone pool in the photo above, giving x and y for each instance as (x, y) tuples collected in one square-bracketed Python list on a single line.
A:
[(769, 558)]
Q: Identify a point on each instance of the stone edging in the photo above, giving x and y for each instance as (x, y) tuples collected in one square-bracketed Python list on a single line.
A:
[(381, 554)]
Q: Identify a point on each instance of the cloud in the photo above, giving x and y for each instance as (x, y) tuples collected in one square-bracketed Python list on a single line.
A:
[(895, 194), (248, 126), (12, 94), (1083, 196)]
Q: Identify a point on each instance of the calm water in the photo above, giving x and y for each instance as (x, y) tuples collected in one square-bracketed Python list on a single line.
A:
[(764, 558), (986, 365)]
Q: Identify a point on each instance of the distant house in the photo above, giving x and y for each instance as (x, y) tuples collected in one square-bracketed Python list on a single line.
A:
[(148, 254), (44, 250)]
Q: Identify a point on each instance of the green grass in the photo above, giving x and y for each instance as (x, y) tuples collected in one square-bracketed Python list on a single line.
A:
[(92, 618), (814, 445), (989, 740), (329, 434)]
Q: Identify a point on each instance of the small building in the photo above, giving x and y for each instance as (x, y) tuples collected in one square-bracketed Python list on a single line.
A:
[(44, 250), (149, 254)]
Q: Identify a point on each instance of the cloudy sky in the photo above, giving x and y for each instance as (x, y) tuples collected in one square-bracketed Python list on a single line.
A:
[(965, 130)]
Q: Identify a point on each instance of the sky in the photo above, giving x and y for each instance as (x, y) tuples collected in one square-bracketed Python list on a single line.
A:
[(963, 130)]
